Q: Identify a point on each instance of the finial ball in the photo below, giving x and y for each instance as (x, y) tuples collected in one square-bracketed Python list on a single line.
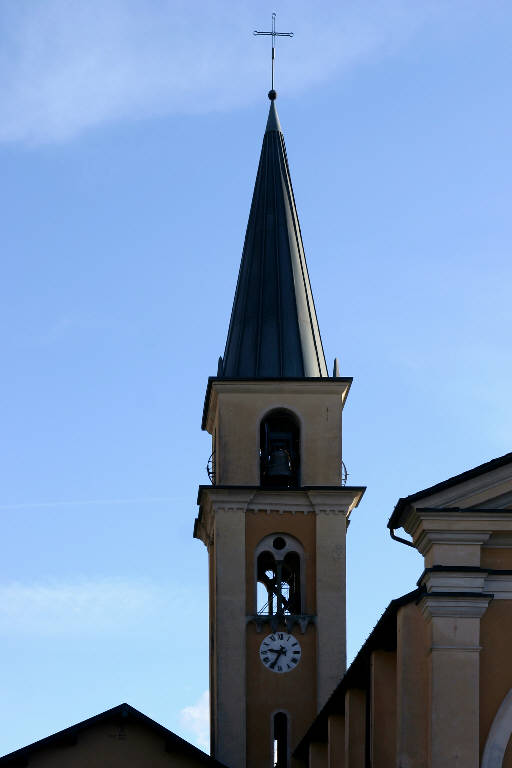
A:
[(272, 95)]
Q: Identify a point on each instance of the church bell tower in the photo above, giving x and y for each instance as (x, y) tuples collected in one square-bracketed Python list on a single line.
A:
[(274, 518)]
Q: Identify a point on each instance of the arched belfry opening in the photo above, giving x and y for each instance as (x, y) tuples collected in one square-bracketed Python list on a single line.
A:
[(279, 575), (279, 450)]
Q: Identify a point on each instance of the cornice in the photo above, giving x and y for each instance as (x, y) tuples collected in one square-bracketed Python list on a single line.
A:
[(215, 500), (427, 521), (310, 386), (424, 540), (274, 622), (469, 605)]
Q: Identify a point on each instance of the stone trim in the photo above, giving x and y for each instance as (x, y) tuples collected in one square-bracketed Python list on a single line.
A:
[(458, 581), (500, 586), (333, 501), (499, 735), (312, 386), (456, 605), (444, 579), (427, 538), (262, 620), (472, 648)]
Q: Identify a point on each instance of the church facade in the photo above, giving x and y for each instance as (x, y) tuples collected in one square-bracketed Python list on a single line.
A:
[(432, 685)]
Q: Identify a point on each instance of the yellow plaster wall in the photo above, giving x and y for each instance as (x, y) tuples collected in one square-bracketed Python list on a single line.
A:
[(495, 665), (497, 558), (238, 434), (132, 745), (269, 692)]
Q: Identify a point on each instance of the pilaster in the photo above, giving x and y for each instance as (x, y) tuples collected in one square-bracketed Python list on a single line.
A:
[(454, 676), (332, 509), (412, 688), (383, 709), (336, 741), (355, 728), (318, 754), (225, 527)]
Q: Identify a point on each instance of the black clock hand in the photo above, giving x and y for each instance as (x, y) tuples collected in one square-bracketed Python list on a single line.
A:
[(280, 652)]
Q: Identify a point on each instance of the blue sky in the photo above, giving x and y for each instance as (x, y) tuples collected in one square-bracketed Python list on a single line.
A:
[(129, 140)]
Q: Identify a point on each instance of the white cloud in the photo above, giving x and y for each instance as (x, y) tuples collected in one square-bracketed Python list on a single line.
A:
[(68, 65), (196, 720), (81, 607)]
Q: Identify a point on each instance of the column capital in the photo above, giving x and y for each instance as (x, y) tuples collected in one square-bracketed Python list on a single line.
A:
[(464, 605)]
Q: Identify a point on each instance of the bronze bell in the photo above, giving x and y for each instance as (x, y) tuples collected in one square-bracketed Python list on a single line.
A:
[(279, 464)]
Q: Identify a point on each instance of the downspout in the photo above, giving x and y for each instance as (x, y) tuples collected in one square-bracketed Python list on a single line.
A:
[(400, 539)]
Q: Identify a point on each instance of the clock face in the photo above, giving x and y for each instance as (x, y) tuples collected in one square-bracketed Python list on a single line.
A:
[(280, 652)]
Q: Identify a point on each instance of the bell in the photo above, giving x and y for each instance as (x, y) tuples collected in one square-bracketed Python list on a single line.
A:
[(279, 464)]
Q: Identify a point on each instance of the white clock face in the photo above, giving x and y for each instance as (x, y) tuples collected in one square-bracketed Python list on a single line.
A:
[(280, 652)]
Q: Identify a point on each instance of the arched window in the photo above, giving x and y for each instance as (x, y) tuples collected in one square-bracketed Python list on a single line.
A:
[(278, 576), (279, 450), (280, 734)]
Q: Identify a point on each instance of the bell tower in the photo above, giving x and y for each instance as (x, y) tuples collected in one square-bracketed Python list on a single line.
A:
[(274, 518)]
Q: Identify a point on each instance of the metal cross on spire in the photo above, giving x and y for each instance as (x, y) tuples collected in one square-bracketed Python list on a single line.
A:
[(272, 94)]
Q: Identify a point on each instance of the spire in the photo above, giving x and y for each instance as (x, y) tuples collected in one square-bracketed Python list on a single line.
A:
[(273, 330)]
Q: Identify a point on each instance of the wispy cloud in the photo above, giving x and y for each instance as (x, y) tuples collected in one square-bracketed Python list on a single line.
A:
[(84, 607), (68, 65), (195, 719)]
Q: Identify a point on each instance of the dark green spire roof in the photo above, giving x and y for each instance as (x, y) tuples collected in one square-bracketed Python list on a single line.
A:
[(273, 330)]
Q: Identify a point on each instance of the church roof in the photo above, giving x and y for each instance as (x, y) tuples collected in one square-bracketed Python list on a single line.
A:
[(120, 716), (273, 330), (382, 637), (396, 519)]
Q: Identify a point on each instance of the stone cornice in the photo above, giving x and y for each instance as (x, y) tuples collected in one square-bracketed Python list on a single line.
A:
[(274, 622), (215, 500), (455, 519), (310, 386), (489, 483), (425, 539), (453, 580), (455, 605)]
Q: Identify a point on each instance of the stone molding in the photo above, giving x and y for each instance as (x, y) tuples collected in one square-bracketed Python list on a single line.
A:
[(472, 648), (499, 735), (454, 580), (216, 501), (474, 581), (453, 520), (273, 622), (500, 585), (500, 540), (491, 487), (462, 605), (314, 386), (427, 538)]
